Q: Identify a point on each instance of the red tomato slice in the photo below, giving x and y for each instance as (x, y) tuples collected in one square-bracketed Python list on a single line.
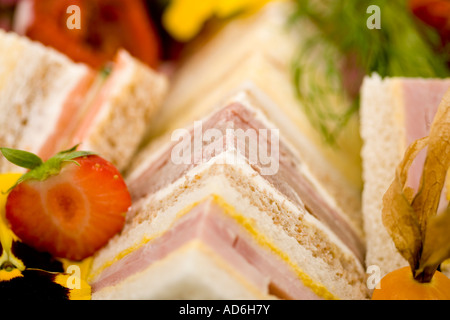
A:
[(106, 26)]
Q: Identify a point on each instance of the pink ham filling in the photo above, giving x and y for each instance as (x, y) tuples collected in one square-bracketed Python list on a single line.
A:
[(74, 123), (66, 123), (208, 223), (88, 119), (288, 180), (421, 101)]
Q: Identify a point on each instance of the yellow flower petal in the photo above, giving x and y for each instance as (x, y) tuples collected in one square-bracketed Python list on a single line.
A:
[(84, 265), (76, 281), (79, 289), (226, 8), (7, 180), (183, 19), (6, 235), (9, 275)]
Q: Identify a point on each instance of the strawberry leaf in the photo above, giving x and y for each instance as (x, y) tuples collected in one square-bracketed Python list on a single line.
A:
[(39, 170), (21, 158)]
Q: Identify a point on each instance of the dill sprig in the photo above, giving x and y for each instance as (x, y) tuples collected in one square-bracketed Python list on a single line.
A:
[(398, 49)]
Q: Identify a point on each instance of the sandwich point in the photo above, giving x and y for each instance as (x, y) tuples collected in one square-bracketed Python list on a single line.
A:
[(262, 145)]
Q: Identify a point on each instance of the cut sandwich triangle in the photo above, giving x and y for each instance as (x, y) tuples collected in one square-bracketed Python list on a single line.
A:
[(261, 240)]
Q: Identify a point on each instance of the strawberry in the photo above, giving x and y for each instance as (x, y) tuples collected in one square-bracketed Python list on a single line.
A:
[(69, 206)]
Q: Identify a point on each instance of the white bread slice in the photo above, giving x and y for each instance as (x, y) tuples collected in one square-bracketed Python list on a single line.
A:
[(384, 132)]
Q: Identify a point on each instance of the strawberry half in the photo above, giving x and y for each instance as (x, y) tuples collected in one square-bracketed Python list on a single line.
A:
[(69, 206)]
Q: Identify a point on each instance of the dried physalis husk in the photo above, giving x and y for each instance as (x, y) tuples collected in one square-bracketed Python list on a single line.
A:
[(398, 214), (447, 185), (421, 236), (435, 227), (436, 247), (435, 169)]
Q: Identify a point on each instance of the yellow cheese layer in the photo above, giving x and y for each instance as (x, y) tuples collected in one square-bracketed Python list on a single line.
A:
[(318, 288)]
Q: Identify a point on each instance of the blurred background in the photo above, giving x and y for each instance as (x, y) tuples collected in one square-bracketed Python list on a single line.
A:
[(155, 30)]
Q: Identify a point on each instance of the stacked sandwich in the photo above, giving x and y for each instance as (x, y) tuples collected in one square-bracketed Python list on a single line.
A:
[(50, 103), (235, 196), (395, 112)]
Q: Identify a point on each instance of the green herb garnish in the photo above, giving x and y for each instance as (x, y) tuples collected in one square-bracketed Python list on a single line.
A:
[(398, 49)]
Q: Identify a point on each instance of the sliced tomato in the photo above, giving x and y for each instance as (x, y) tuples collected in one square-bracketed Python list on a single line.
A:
[(106, 26)]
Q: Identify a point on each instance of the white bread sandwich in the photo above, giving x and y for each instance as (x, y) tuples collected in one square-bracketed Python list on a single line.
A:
[(50, 103), (36, 84), (394, 113), (253, 54), (234, 215)]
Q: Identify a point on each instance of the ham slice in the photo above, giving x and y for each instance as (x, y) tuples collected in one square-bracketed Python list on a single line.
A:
[(81, 108), (67, 121), (421, 101), (209, 223), (89, 115)]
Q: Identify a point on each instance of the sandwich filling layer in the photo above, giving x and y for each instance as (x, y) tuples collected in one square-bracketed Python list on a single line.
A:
[(97, 115), (230, 236), (51, 104), (186, 274), (305, 240), (421, 99)]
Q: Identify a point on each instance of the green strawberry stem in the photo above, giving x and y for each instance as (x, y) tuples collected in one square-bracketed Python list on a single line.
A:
[(38, 169)]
